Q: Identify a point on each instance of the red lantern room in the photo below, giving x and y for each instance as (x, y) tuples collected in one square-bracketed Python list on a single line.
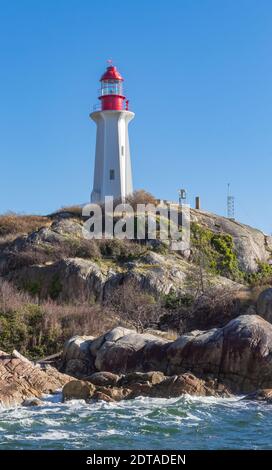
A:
[(112, 97)]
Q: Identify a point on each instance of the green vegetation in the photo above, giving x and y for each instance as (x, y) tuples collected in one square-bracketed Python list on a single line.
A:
[(33, 287), (174, 301), (23, 329), (215, 251), (55, 287), (262, 277)]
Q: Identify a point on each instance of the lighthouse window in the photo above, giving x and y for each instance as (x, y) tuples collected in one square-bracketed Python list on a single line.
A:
[(122, 150), (111, 87), (111, 175)]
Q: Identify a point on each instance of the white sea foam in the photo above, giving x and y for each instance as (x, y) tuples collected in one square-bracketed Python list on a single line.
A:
[(52, 436), (219, 422)]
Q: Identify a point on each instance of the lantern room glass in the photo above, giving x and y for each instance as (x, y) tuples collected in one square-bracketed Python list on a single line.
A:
[(111, 87)]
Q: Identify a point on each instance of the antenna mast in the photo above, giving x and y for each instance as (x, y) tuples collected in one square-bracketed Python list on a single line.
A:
[(230, 205)]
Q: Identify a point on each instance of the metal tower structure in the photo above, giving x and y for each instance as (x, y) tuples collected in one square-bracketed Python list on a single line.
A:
[(230, 205)]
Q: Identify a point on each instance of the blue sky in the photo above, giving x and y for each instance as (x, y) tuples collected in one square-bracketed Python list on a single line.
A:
[(198, 76)]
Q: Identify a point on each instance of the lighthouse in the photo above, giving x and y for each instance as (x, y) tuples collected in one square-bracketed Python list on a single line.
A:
[(112, 172)]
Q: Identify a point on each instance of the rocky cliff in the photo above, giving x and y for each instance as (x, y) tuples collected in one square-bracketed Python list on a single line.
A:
[(59, 268), (57, 261), (251, 245)]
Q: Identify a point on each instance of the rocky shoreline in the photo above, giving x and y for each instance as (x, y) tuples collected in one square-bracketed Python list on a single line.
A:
[(123, 364), (225, 342), (238, 355), (21, 380), (111, 387)]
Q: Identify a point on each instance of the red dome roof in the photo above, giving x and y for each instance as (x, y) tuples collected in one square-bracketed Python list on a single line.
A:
[(111, 74)]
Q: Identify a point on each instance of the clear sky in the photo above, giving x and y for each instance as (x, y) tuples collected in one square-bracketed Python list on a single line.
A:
[(198, 76)]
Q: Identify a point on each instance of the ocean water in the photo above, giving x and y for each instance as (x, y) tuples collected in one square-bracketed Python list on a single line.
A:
[(144, 423)]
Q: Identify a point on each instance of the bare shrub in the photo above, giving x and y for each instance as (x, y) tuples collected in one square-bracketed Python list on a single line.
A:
[(80, 248), (11, 298), (141, 197), (28, 257), (61, 322), (6, 240), (137, 197), (75, 210), (212, 308), (39, 329), (121, 250), (134, 306)]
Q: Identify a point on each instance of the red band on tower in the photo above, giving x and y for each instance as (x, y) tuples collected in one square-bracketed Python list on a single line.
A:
[(112, 97)]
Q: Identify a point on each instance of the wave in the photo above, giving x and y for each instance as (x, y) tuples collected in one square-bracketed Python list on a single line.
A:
[(186, 422)]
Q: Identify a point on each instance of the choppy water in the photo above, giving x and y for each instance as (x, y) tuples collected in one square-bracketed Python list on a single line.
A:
[(184, 423)]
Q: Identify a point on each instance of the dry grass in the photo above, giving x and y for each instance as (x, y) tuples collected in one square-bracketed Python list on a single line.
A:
[(10, 298), (6, 240), (75, 210), (16, 224), (257, 290), (171, 335), (41, 254)]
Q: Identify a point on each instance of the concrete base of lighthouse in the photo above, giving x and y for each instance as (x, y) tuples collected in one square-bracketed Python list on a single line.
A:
[(112, 174)]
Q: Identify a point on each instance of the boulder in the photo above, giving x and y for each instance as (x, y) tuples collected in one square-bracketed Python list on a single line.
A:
[(21, 380), (111, 336), (140, 390), (78, 390), (264, 305), (153, 377), (178, 385), (169, 387), (67, 226), (264, 395), (114, 393), (32, 402), (103, 379), (76, 358), (127, 353), (67, 279), (162, 387), (187, 383), (100, 396), (120, 350), (251, 245), (238, 355)]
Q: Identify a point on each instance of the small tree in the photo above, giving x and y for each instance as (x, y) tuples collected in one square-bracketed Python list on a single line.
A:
[(141, 197), (213, 307)]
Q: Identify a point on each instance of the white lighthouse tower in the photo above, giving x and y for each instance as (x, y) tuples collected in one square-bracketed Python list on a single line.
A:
[(112, 173)]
